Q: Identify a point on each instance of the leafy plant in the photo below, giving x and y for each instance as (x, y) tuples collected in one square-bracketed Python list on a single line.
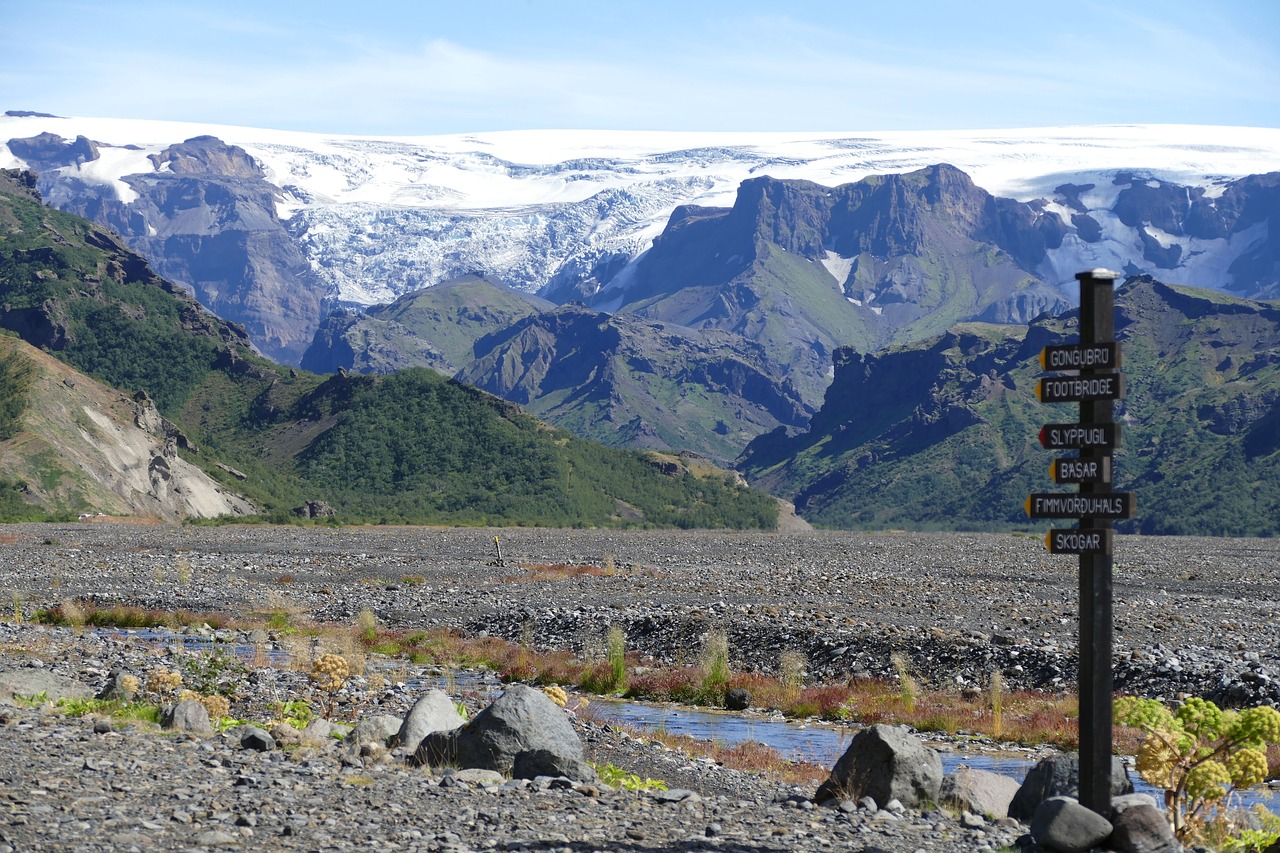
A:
[(329, 673), (1200, 753), (219, 671), (616, 777), (295, 712), (147, 712)]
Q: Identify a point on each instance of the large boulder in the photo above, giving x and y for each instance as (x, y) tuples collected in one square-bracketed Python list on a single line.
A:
[(35, 681), (522, 718), (1064, 826), (187, 716), (1139, 826), (979, 791), (434, 712), (885, 763), (533, 763), (1059, 776)]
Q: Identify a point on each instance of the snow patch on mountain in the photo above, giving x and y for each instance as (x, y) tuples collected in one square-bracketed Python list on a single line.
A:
[(380, 217)]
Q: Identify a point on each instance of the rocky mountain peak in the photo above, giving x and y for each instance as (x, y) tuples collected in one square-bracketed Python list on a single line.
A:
[(208, 155), (51, 151)]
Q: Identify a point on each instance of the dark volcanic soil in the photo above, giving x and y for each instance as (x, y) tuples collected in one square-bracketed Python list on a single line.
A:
[(1192, 615)]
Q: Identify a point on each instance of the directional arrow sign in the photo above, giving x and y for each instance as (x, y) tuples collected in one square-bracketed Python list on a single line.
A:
[(1105, 505), (1079, 540), (1081, 357), (1080, 436), (1075, 389), (1079, 470)]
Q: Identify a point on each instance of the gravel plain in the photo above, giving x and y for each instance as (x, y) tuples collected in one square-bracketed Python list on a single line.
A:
[(1193, 615)]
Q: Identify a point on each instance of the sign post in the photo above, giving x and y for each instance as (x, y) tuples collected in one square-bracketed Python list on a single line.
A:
[(1098, 383)]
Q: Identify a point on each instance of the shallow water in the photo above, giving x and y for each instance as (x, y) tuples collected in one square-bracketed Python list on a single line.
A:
[(823, 745)]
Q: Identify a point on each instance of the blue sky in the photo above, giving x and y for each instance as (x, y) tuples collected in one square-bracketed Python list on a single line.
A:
[(453, 67)]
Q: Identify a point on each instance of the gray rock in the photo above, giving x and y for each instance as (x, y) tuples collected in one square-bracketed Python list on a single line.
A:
[(521, 718), (434, 712), (532, 763), (319, 731), (115, 687), (480, 777), (378, 729), (885, 763), (1063, 825), (737, 699), (979, 791), (1139, 826), (187, 716), (1059, 776), (252, 737), (437, 749), (286, 735), (215, 838), (32, 681)]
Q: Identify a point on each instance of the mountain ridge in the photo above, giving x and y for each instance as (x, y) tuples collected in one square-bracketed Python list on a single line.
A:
[(566, 214), (1201, 423)]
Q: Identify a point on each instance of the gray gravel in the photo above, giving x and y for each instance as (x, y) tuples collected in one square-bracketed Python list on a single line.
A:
[(1193, 615)]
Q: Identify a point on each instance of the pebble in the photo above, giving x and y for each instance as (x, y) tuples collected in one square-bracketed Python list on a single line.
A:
[(958, 605)]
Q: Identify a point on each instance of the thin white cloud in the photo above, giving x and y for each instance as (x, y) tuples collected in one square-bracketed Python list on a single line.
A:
[(736, 71)]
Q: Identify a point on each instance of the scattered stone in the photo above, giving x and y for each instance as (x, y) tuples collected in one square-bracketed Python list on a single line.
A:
[(737, 699), (1139, 826), (532, 763), (479, 776), (252, 737), (376, 729), (187, 716)]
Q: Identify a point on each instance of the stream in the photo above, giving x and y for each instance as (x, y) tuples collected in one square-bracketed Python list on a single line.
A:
[(818, 744)]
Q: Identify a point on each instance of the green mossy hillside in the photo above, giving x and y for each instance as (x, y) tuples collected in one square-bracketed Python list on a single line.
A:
[(406, 448)]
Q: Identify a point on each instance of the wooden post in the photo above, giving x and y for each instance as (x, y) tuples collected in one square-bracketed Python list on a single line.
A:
[(1096, 684)]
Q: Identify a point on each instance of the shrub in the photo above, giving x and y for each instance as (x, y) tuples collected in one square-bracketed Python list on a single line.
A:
[(1200, 753)]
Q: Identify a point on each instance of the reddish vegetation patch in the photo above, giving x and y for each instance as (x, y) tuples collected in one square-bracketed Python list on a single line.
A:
[(557, 572), (8, 540)]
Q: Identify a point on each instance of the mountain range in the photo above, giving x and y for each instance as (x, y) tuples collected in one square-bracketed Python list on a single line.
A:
[(270, 228), (943, 432), (714, 292), (125, 395)]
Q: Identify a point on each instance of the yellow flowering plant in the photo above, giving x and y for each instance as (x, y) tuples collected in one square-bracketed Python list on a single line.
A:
[(1200, 753)]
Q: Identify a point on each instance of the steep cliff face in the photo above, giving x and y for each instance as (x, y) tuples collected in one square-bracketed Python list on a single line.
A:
[(84, 447), (805, 268), (205, 217), (626, 382), (1171, 220)]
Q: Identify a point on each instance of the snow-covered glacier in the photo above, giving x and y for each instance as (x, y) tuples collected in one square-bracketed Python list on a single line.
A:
[(565, 212)]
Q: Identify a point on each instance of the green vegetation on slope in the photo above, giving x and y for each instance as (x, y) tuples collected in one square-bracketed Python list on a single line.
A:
[(15, 382), (410, 448), (942, 434)]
